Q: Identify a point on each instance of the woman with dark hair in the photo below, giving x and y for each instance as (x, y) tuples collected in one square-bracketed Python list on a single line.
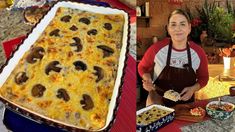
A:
[(178, 64)]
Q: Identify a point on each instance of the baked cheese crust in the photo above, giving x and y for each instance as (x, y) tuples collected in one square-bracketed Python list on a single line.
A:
[(151, 116), (69, 73)]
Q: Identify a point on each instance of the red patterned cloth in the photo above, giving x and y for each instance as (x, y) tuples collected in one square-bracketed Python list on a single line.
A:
[(9, 46)]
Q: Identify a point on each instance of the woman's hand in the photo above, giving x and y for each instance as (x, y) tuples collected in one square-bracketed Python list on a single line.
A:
[(147, 82), (188, 92), (148, 85), (154, 98)]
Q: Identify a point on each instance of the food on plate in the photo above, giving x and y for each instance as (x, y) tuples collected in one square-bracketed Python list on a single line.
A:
[(33, 15), (69, 73), (222, 107), (151, 115), (198, 111), (172, 95), (19, 4)]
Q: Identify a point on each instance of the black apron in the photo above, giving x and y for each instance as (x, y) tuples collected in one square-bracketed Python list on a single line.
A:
[(175, 78)]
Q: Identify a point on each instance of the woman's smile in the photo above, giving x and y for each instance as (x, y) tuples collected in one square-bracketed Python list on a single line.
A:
[(179, 34)]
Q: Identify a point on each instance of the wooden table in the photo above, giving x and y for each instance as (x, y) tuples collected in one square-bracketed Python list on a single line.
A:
[(225, 75), (177, 124), (214, 87), (218, 69)]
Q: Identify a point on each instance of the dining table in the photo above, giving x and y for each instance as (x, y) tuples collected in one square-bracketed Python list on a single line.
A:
[(207, 124), (220, 80), (218, 73)]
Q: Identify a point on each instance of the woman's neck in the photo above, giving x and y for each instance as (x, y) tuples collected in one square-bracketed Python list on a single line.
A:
[(179, 45)]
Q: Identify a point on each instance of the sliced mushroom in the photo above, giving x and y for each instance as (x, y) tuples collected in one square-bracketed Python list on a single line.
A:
[(55, 33), (79, 65), (92, 32), (85, 20), (106, 50), (87, 102), (52, 66), (66, 18), (99, 72), (21, 78), (38, 90), (73, 28), (77, 44), (62, 94), (77, 40), (36, 53), (108, 26)]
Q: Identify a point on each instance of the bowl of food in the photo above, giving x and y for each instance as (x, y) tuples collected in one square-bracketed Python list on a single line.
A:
[(220, 111)]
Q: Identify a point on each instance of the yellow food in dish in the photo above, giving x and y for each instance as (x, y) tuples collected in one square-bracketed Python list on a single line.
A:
[(151, 116), (69, 73)]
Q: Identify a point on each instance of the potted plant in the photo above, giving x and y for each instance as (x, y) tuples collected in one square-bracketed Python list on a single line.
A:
[(220, 25), (205, 12), (201, 20), (231, 10), (217, 21)]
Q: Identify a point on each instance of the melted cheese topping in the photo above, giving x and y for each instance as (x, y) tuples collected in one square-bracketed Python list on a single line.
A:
[(151, 115), (75, 82)]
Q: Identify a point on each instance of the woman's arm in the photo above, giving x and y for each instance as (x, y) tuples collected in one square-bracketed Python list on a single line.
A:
[(188, 92), (145, 68), (202, 78), (146, 65), (202, 72), (147, 82)]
